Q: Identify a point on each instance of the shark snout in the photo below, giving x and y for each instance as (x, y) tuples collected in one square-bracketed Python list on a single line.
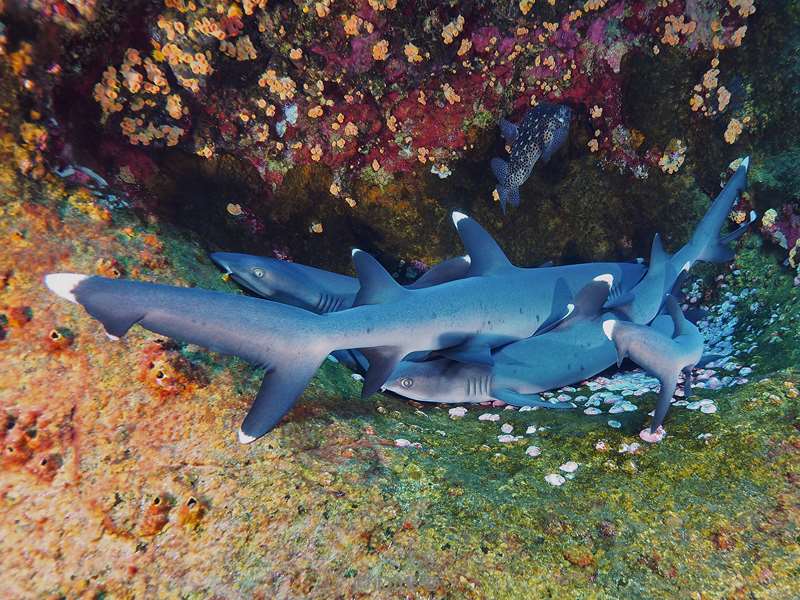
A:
[(222, 260)]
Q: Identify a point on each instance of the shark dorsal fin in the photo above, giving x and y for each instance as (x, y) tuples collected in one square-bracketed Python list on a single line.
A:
[(377, 286), (657, 253), (681, 325), (485, 254), (590, 299)]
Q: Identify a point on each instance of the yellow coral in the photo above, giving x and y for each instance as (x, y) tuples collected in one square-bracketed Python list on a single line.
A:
[(174, 108), (673, 156), (315, 111), (710, 79), (596, 111), (733, 130), (380, 50), (412, 53), (723, 98), (745, 7), (453, 29), (284, 87), (450, 94), (525, 6), (352, 24), (296, 53), (465, 47), (738, 36), (696, 102), (241, 51)]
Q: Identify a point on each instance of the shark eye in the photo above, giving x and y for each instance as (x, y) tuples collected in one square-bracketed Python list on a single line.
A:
[(258, 272), (406, 382)]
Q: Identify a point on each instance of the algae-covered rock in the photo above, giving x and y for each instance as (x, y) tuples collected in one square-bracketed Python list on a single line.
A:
[(135, 139)]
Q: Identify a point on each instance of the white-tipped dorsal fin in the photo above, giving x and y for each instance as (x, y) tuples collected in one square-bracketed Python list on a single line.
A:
[(377, 286), (64, 284), (608, 327), (485, 254), (607, 277), (745, 162)]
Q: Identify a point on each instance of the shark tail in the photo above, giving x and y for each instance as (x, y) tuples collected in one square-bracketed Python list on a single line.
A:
[(706, 244), (274, 336)]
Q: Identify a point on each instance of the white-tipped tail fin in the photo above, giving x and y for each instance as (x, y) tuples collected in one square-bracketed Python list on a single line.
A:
[(458, 216), (246, 439), (63, 284)]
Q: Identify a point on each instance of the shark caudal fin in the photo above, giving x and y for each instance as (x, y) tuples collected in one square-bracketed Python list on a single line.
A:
[(283, 339), (377, 287), (485, 254), (706, 243)]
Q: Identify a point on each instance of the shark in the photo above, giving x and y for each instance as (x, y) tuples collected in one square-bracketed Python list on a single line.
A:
[(574, 350), (495, 304), (543, 130), (314, 289), (663, 356)]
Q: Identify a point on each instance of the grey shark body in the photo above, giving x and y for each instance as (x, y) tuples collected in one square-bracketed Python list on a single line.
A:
[(315, 289), (663, 356), (577, 348), (572, 351), (541, 133), (495, 304)]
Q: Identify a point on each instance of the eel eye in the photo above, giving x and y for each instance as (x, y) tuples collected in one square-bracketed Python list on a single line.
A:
[(406, 382), (258, 272)]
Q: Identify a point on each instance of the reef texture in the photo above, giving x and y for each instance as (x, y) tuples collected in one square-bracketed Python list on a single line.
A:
[(135, 137)]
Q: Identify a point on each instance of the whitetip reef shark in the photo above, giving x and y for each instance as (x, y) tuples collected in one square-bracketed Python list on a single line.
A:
[(662, 356), (578, 347), (543, 130), (464, 319)]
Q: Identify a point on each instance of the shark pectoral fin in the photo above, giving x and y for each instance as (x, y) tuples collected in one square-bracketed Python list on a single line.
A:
[(509, 131), (484, 253), (352, 359), (590, 300), (561, 307), (382, 361), (668, 384), (471, 354), (279, 391), (514, 398), (377, 286), (611, 328)]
